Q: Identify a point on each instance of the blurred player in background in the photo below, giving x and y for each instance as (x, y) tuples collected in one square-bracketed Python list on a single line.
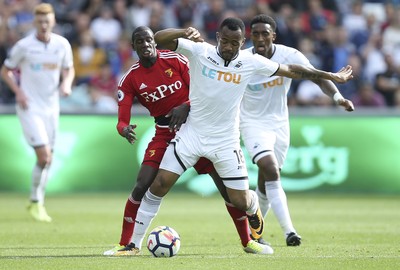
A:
[(264, 121), (160, 82), (218, 78), (41, 58)]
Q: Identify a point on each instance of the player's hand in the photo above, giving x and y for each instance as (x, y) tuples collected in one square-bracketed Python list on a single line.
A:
[(129, 133), (193, 34), (343, 75), (346, 104), (65, 91), (22, 100), (178, 116)]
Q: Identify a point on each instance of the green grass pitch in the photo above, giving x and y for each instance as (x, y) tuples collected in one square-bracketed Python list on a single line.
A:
[(339, 232)]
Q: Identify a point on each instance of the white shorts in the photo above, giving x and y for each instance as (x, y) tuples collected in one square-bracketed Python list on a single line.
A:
[(260, 142), (225, 154), (39, 127)]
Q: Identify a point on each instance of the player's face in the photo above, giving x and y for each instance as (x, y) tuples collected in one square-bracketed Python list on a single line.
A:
[(229, 43), (44, 24), (144, 45), (262, 37)]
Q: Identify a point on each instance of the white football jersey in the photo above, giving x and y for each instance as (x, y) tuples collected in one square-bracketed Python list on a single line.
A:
[(217, 86), (40, 66), (265, 100)]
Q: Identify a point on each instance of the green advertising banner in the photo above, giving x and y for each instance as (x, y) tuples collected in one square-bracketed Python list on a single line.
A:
[(344, 154), (327, 154)]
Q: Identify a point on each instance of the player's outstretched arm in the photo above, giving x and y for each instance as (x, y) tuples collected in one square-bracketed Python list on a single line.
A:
[(304, 72), (345, 103), (330, 89), (167, 38)]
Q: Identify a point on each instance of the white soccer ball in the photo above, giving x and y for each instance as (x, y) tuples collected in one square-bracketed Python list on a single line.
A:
[(163, 241)]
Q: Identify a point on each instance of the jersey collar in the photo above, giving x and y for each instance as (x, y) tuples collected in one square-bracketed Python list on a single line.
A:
[(226, 62)]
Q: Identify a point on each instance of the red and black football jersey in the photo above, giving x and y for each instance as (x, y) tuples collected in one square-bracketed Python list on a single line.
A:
[(159, 88)]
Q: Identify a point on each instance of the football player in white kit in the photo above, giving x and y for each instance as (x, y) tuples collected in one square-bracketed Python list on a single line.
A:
[(264, 121), (41, 57), (218, 78)]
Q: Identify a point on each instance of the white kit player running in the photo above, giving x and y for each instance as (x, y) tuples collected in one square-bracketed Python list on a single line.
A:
[(264, 121), (41, 57), (218, 79)]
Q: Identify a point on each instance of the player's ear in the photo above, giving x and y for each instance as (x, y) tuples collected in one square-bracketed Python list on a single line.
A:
[(243, 41), (133, 46)]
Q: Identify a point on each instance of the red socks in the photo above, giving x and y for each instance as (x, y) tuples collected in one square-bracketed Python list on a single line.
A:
[(239, 219), (241, 223), (128, 224)]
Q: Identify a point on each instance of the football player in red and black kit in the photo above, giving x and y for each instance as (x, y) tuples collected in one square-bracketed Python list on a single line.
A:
[(160, 82)]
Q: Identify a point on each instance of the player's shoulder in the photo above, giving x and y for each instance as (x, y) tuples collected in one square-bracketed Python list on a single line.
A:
[(26, 41), (288, 55), (249, 58), (247, 54), (250, 49), (198, 47), (283, 50), (133, 71), (167, 55), (60, 39)]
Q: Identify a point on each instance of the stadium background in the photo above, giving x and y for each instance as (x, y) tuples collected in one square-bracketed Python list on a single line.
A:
[(331, 152)]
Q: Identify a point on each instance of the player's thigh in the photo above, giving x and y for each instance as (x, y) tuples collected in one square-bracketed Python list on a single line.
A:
[(179, 157), (230, 165), (229, 162), (204, 166), (33, 127), (51, 123), (259, 142), (282, 144), (155, 151)]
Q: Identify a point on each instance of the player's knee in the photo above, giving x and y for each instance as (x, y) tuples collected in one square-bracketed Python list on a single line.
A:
[(140, 188), (138, 192), (270, 170), (269, 167), (239, 199), (160, 186), (225, 196), (44, 162), (272, 174), (44, 157)]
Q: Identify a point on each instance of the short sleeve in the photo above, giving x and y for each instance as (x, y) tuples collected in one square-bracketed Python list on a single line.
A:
[(15, 56), (264, 66), (186, 47)]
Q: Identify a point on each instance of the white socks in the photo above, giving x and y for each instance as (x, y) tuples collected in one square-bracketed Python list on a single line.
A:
[(277, 198), (39, 183), (264, 203), (253, 204), (147, 211)]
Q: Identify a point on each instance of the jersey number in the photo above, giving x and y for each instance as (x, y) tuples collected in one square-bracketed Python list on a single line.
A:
[(239, 156)]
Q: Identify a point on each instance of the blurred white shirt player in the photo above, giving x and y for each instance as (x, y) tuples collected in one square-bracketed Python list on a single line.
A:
[(42, 58)]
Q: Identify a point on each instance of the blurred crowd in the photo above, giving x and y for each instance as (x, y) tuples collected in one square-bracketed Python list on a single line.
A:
[(331, 33)]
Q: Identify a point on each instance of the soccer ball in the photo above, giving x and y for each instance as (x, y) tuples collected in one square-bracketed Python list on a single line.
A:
[(163, 241)]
